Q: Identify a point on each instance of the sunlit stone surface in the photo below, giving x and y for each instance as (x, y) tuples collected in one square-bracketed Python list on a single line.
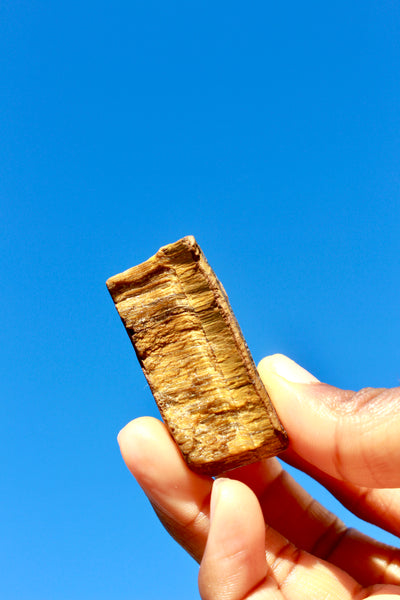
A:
[(196, 361)]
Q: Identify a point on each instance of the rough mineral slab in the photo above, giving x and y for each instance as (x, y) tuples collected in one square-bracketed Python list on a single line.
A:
[(196, 361)]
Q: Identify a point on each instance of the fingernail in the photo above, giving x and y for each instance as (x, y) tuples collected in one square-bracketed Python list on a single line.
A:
[(283, 366), (120, 435), (216, 493)]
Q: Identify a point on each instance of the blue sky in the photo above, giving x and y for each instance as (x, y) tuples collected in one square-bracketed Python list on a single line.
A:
[(270, 131)]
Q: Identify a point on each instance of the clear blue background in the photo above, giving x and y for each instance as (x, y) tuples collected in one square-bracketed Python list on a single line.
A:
[(270, 131)]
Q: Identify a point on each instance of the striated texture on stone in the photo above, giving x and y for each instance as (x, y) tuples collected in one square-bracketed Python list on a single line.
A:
[(196, 361)]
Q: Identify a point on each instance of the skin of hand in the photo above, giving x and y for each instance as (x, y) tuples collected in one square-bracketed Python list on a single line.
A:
[(255, 532)]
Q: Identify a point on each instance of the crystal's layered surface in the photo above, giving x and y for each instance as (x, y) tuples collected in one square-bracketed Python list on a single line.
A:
[(196, 361)]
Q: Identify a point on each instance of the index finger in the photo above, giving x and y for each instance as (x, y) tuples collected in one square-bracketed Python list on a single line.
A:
[(351, 436)]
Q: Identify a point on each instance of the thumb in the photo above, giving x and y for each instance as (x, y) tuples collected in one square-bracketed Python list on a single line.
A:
[(352, 436), (234, 559)]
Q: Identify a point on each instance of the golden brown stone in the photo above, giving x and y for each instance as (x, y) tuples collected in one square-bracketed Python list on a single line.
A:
[(196, 361)]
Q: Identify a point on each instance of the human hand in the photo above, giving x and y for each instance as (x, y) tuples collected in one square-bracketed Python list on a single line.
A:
[(256, 533)]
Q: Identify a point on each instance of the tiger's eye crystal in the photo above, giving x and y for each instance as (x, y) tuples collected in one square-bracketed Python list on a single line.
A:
[(196, 360)]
